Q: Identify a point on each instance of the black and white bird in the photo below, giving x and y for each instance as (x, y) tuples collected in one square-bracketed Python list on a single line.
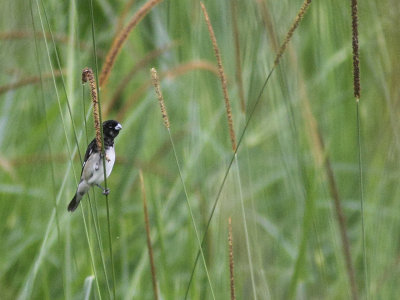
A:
[(92, 169)]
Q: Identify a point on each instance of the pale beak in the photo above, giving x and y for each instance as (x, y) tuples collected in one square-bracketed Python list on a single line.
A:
[(118, 127)]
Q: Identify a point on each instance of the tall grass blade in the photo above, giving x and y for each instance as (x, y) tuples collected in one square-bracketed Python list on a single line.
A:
[(87, 288), (44, 106), (62, 77)]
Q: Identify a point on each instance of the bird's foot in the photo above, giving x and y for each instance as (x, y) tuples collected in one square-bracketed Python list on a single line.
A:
[(105, 191)]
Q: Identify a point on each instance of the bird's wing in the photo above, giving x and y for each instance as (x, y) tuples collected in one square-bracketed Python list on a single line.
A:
[(92, 147)]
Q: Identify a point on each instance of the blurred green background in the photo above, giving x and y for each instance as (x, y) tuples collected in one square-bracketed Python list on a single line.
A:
[(294, 239)]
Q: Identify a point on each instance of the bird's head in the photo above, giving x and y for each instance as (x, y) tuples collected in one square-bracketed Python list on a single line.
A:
[(111, 129)]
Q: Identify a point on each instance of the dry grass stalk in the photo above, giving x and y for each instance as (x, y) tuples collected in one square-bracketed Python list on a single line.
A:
[(190, 66), (221, 76), (323, 160), (231, 262), (356, 56), (239, 79), (156, 84), (149, 245), (18, 35), (169, 74), (87, 75), (121, 38), (27, 81), (289, 35), (135, 69), (342, 226)]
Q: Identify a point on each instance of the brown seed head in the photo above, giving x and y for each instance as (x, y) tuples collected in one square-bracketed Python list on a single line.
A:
[(289, 35), (156, 84), (121, 38), (231, 263), (356, 55), (87, 75), (222, 77)]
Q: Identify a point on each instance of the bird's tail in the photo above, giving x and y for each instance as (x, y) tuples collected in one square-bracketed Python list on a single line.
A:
[(82, 189), (73, 204)]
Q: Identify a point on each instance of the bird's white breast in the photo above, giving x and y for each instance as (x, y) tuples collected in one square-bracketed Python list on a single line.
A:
[(110, 159), (96, 175)]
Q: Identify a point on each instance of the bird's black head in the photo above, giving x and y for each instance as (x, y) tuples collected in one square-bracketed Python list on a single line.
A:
[(111, 129)]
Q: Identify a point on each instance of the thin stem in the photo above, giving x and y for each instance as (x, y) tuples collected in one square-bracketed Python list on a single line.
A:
[(246, 232), (91, 252), (87, 75), (360, 170), (191, 213), (100, 245), (342, 227), (357, 95), (93, 213), (102, 142), (148, 237)]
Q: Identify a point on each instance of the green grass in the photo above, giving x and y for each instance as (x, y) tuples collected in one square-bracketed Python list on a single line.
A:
[(294, 237)]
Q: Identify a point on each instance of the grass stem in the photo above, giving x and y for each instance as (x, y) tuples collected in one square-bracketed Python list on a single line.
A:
[(91, 252), (102, 142), (357, 95), (246, 231), (149, 245)]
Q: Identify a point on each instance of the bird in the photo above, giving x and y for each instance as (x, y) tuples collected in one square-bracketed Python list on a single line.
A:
[(92, 168)]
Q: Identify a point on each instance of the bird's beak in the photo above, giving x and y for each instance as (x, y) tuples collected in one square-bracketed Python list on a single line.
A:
[(118, 127)]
